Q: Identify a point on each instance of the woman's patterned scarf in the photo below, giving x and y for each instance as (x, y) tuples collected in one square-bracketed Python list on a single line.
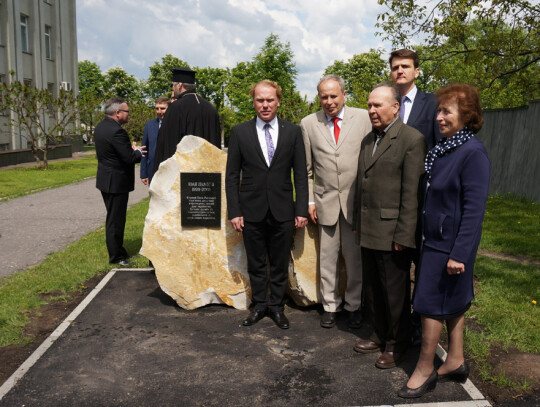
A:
[(445, 146)]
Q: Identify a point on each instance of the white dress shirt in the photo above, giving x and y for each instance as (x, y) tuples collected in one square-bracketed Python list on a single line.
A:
[(259, 124), (409, 103)]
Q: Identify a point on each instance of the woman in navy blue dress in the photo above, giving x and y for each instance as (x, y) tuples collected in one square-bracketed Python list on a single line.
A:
[(456, 187)]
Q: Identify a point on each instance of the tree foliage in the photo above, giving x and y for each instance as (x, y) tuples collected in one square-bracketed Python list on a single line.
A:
[(274, 61), (45, 119), (360, 74), (159, 81), (497, 39), (119, 83), (91, 80)]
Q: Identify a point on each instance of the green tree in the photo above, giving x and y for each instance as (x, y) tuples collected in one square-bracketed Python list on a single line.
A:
[(159, 81), (498, 40), (45, 119), (507, 91), (274, 61), (119, 83), (91, 80), (360, 74), (139, 114)]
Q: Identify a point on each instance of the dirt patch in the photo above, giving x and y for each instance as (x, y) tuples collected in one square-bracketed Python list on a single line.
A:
[(43, 321), (508, 257), (519, 367)]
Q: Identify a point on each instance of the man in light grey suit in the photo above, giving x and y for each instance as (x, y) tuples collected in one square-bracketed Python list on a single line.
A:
[(332, 138)]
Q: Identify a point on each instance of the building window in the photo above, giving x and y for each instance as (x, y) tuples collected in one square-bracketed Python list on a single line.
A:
[(48, 48), (24, 33)]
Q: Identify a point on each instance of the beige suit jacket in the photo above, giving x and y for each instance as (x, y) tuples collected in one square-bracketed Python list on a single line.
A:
[(388, 190), (332, 168)]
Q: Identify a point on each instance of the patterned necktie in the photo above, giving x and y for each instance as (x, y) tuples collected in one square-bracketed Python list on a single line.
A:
[(269, 142), (402, 108), (336, 128)]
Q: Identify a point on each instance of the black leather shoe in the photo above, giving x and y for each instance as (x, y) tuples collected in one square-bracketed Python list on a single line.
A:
[(279, 318), (355, 319), (328, 319), (428, 385), (254, 317), (459, 375)]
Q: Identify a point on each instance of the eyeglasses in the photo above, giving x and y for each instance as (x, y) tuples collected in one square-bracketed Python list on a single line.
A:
[(122, 110)]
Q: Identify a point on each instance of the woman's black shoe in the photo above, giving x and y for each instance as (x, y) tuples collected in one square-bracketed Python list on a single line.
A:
[(428, 385), (459, 375)]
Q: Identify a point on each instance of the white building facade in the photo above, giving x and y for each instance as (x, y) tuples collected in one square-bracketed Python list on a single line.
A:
[(38, 46)]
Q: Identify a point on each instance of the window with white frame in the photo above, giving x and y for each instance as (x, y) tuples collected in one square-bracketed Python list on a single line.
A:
[(48, 47), (24, 33)]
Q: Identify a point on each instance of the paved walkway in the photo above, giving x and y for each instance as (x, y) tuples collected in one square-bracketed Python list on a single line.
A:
[(129, 344), (33, 226)]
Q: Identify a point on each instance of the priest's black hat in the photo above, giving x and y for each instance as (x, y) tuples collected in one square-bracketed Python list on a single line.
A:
[(184, 75)]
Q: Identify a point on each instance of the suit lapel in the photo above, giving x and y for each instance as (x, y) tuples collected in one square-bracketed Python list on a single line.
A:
[(385, 144), (322, 128), (254, 138), (346, 125), (416, 107)]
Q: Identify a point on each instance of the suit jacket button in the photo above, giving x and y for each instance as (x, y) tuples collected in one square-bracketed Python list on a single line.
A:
[(340, 191), (339, 173)]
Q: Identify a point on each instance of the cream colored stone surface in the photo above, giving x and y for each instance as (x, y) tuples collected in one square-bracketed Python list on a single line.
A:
[(197, 266)]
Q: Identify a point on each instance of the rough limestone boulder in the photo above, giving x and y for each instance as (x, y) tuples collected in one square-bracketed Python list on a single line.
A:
[(197, 266)]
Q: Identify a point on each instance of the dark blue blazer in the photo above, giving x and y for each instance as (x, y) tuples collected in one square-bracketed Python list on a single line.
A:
[(423, 117), (151, 130), (454, 206)]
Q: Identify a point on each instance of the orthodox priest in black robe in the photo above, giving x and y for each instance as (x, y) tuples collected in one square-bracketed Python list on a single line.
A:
[(191, 114)]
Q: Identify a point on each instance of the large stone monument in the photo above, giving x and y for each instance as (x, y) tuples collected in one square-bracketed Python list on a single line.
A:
[(200, 265)]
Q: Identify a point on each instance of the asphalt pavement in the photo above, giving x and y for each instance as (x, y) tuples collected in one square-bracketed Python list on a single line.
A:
[(33, 226), (133, 346)]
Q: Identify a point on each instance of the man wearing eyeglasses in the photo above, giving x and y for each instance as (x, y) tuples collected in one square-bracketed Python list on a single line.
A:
[(116, 174)]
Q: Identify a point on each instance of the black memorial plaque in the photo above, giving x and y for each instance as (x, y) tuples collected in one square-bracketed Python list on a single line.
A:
[(200, 198)]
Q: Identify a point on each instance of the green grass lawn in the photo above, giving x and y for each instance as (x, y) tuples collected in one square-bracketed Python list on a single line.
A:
[(23, 181), (512, 226)]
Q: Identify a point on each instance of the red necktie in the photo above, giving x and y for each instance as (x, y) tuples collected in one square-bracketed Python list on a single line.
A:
[(336, 128)]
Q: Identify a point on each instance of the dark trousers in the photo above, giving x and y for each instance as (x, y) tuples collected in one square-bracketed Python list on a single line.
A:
[(273, 239), (116, 205), (387, 296)]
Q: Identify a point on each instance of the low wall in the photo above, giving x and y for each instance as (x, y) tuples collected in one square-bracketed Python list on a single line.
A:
[(14, 157)]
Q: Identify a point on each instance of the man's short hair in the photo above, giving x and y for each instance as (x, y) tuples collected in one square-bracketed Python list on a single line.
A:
[(113, 104), (332, 77), (266, 82), (163, 100), (187, 86), (395, 91), (468, 103), (404, 53)]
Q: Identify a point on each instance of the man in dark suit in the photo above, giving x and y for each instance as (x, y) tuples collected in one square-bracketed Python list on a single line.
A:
[(262, 152), (189, 115), (115, 174), (390, 165), (418, 109), (150, 135)]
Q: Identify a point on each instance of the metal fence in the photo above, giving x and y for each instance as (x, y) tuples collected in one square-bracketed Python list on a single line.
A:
[(512, 139)]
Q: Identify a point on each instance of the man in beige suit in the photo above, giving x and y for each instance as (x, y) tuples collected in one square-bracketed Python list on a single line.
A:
[(332, 138), (390, 167)]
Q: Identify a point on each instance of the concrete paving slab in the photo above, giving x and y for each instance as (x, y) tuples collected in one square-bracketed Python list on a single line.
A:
[(132, 345)]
